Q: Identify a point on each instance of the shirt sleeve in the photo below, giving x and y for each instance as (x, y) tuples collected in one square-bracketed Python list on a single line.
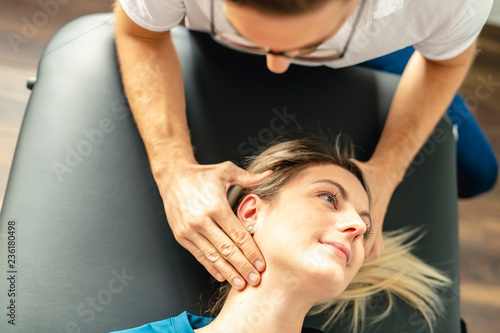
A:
[(456, 34), (155, 15)]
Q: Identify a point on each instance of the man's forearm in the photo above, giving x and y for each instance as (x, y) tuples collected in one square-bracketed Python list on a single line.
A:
[(152, 79), (425, 91)]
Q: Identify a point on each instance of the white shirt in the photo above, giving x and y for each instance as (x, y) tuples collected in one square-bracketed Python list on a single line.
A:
[(439, 29)]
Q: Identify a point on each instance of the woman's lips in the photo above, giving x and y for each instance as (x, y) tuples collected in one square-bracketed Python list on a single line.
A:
[(342, 251)]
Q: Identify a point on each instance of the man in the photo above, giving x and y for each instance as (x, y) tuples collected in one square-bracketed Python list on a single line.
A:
[(347, 32)]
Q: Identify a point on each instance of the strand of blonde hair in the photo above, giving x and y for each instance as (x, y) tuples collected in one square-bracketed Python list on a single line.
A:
[(397, 272)]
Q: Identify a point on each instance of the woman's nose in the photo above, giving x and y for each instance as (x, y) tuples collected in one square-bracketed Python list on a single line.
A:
[(277, 64), (353, 223)]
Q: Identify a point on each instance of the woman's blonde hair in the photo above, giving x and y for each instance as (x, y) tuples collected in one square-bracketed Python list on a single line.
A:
[(397, 272)]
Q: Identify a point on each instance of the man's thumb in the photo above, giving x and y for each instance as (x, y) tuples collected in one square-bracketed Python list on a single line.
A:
[(248, 178)]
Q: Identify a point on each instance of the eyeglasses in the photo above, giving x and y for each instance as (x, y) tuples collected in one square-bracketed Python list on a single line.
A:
[(237, 42)]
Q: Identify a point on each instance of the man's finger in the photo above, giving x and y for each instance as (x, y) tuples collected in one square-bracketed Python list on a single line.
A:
[(233, 254), (209, 266), (241, 238), (214, 262), (376, 251), (238, 176)]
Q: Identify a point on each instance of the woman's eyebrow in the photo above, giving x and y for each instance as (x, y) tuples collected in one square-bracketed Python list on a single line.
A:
[(343, 192)]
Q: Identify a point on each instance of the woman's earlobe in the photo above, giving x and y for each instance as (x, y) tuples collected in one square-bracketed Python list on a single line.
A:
[(247, 212)]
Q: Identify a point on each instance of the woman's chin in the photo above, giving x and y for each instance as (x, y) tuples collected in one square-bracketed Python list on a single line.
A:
[(327, 280)]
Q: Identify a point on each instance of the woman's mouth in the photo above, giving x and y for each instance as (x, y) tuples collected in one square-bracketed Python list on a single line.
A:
[(339, 249)]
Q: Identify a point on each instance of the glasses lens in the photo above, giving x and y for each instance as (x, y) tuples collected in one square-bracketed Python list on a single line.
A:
[(240, 43), (235, 40), (319, 55)]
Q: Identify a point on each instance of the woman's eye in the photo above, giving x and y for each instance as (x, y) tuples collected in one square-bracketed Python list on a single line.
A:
[(330, 197), (367, 233)]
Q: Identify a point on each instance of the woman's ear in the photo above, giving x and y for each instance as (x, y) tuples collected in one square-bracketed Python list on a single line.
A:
[(248, 212)]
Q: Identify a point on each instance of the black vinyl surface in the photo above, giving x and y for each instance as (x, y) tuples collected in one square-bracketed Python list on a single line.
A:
[(93, 249)]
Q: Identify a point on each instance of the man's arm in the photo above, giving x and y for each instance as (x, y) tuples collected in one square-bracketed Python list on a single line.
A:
[(152, 77), (194, 195), (425, 91)]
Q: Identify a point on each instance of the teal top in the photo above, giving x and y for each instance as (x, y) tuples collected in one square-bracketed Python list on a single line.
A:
[(183, 323)]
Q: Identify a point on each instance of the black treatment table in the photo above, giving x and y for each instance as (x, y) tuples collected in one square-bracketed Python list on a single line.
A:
[(92, 247)]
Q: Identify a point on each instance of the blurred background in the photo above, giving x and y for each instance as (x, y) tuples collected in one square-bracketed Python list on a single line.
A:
[(479, 223)]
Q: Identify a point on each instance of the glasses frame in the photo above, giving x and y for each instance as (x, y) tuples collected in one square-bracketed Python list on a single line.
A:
[(263, 51)]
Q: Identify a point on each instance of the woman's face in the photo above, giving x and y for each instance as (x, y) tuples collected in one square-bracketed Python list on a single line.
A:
[(314, 230)]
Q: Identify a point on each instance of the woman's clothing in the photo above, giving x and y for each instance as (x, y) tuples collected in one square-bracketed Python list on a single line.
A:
[(183, 323)]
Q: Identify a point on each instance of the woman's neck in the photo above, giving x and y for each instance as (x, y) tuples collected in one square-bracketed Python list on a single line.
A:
[(277, 305)]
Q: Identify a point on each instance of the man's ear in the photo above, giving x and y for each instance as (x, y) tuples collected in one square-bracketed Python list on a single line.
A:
[(248, 211)]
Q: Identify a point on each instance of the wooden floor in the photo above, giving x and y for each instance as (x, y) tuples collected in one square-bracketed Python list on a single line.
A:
[(479, 217)]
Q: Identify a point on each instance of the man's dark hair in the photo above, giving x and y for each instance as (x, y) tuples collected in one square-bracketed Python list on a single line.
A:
[(284, 7)]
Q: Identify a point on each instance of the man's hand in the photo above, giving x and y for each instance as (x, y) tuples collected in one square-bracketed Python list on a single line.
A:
[(195, 199), (424, 92), (382, 185)]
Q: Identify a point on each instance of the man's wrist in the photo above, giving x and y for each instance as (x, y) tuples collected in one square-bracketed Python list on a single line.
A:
[(165, 158), (394, 165)]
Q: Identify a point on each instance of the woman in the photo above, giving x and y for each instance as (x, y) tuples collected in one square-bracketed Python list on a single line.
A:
[(311, 219)]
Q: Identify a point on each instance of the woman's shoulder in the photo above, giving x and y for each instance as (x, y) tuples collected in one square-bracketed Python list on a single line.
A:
[(183, 323)]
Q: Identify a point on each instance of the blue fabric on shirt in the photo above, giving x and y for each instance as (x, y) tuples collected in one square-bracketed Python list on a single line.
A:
[(477, 166), (183, 323)]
